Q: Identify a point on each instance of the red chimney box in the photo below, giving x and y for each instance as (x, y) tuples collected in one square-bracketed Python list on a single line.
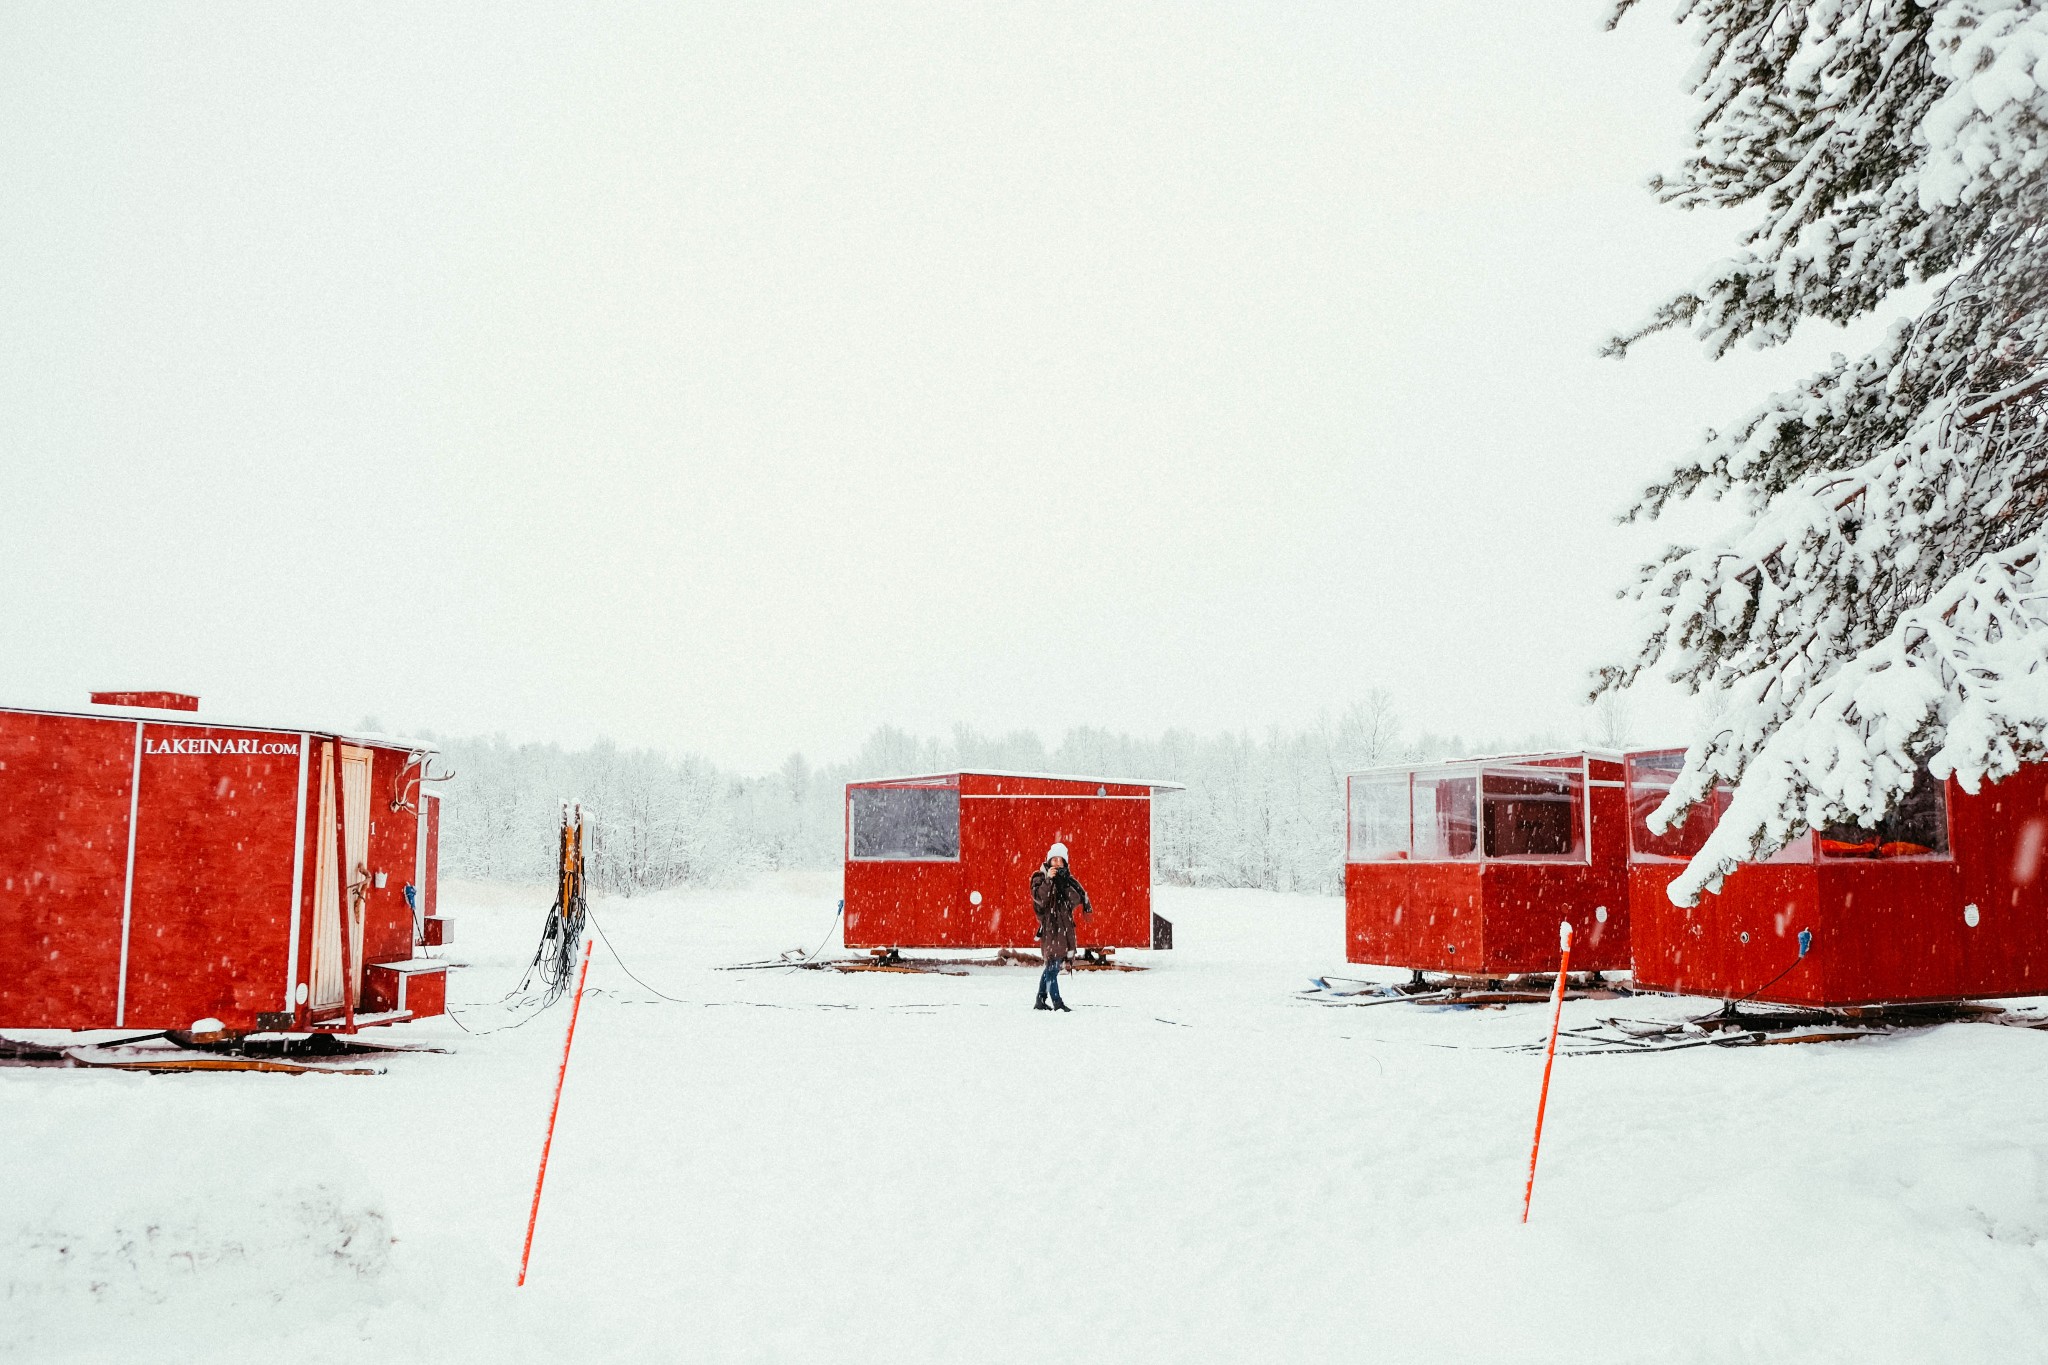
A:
[(161, 701)]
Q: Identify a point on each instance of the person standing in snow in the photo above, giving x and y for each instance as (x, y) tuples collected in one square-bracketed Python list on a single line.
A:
[(1056, 896)]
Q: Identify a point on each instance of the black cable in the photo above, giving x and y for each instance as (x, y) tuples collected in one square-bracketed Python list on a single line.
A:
[(484, 1033), (823, 941), (678, 1000), (555, 958), (1805, 947)]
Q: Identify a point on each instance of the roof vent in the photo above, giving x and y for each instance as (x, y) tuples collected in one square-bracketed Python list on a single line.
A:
[(160, 701)]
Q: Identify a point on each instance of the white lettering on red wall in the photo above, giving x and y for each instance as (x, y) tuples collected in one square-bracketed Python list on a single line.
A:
[(210, 745)]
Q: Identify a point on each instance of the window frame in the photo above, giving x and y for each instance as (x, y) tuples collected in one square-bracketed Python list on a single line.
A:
[(1477, 770), (1804, 849), (937, 784)]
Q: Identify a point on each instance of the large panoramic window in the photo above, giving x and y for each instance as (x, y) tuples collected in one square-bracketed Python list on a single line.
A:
[(1534, 812), (1379, 817), (905, 822), (1917, 827), (1649, 781), (1446, 815)]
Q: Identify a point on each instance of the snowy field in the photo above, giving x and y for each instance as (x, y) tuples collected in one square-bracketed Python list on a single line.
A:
[(1194, 1165)]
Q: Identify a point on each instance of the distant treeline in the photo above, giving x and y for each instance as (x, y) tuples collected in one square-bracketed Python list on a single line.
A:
[(1258, 812)]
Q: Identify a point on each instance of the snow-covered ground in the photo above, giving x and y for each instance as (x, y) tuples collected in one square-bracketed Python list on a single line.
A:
[(1195, 1165)]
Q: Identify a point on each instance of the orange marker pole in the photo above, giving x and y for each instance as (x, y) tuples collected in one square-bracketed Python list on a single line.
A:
[(560, 1076), (1564, 942)]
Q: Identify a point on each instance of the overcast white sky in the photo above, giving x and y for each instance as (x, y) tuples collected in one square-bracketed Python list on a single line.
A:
[(739, 377)]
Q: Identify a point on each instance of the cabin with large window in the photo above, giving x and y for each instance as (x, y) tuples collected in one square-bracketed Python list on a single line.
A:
[(945, 860), (1942, 900), (1468, 867)]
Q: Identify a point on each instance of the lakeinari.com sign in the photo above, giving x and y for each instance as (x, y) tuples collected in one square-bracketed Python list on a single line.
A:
[(210, 745)]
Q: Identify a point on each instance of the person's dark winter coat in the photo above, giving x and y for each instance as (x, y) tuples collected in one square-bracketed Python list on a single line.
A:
[(1057, 897)]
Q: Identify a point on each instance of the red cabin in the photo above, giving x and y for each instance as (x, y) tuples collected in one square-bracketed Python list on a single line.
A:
[(1942, 901), (1468, 867), (158, 870), (945, 861)]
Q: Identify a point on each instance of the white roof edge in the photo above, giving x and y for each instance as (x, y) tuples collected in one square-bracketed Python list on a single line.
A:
[(1608, 755), (1096, 778), (205, 720)]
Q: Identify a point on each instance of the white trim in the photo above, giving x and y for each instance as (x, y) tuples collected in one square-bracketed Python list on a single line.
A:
[(204, 721), (418, 909), (291, 962), (1545, 758), (1586, 803), (128, 885), (1045, 796), (1038, 777)]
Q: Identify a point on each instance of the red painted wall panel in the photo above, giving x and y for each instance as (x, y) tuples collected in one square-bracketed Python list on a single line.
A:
[(1006, 825), (430, 894), (213, 890), (427, 994), (388, 920), (1525, 901), (1426, 916), (902, 904), (63, 863), (2001, 850), (1701, 950)]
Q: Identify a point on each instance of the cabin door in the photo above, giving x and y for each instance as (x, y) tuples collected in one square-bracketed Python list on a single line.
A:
[(327, 918)]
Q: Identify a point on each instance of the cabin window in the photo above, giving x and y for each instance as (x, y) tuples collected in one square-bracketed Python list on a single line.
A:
[(1917, 827), (1446, 816), (1379, 818), (906, 823), (1650, 777), (1534, 812)]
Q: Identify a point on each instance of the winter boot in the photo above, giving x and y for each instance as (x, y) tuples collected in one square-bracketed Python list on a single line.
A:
[(1041, 1005), (1061, 1006)]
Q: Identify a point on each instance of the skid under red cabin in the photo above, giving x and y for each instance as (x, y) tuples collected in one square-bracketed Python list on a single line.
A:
[(1943, 901), (158, 869), (945, 861), (1469, 867)]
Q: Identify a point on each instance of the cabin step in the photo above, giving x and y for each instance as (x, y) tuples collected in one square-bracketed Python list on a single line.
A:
[(417, 985), (362, 1021)]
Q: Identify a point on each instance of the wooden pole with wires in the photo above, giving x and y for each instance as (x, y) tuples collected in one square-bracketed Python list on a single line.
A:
[(1564, 943)]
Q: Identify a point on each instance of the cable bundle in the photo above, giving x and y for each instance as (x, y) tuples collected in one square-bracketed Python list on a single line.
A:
[(554, 960)]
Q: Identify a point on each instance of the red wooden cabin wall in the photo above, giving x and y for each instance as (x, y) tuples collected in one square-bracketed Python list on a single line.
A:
[(1423, 916), (1006, 825)]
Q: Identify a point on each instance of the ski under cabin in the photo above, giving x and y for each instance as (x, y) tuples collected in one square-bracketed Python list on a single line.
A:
[(1944, 900), (159, 869), (1468, 867), (945, 861)]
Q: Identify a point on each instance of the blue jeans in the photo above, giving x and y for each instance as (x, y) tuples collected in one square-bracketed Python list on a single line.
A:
[(1049, 980)]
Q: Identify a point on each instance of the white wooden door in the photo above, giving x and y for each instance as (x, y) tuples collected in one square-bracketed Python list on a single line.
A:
[(355, 806)]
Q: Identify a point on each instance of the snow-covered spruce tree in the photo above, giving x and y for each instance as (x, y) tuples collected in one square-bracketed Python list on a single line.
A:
[(1880, 601)]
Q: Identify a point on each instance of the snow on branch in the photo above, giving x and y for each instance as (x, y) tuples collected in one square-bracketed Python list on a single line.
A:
[(1971, 666)]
